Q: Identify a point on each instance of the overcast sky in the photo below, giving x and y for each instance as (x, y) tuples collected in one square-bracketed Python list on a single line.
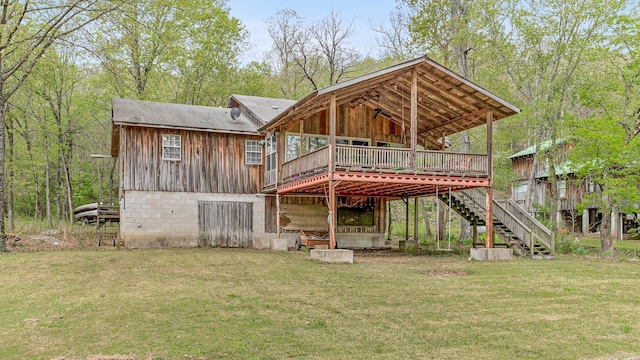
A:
[(254, 13)]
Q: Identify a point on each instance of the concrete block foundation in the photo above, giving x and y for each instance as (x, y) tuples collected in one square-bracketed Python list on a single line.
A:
[(332, 256), (278, 245), (482, 254)]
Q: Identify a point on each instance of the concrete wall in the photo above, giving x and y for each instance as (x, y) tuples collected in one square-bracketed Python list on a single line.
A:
[(155, 219), (151, 219)]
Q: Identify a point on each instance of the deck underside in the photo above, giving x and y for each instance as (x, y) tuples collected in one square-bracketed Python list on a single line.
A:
[(387, 185)]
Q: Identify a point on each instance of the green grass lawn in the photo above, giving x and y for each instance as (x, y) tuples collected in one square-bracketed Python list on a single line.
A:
[(246, 304)]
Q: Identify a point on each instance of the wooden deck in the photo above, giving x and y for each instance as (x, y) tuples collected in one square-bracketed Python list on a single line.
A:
[(363, 166)]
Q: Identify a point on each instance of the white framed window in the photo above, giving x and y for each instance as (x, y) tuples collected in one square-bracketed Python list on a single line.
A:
[(171, 147), (272, 157), (520, 192), (313, 142), (252, 152)]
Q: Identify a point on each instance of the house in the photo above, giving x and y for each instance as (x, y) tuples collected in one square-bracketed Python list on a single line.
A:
[(571, 192), (328, 163), (184, 170)]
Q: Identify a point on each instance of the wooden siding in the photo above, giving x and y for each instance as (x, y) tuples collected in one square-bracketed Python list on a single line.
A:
[(210, 163), (225, 224)]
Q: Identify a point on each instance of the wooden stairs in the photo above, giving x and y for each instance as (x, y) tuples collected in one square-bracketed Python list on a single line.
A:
[(516, 228)]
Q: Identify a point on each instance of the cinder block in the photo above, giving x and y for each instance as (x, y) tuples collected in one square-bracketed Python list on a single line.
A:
[(332, 256), (493, 254), (278, 245)]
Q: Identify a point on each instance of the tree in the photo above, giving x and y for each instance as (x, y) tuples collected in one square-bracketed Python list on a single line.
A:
[(455, 33), (317, 55), (607, 145), (27, 30), (182, 50), (549, 44)]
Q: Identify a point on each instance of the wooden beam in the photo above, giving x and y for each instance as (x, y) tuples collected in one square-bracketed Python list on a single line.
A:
[(489, 203), (414, 117), (332, 167)]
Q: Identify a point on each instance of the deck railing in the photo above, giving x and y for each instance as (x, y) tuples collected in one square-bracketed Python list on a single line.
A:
[(367, 158), (350, 156), (308, 163), (450, 162), (270, 177)]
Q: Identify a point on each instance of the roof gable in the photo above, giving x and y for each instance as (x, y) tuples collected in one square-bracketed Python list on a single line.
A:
[(447, 103)]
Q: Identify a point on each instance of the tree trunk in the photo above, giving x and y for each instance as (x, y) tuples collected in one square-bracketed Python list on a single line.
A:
[(606, 241), (10, 175), (3, 117), (442, 221), (427, 232), (465, 227), (47, 181), (389, 221)]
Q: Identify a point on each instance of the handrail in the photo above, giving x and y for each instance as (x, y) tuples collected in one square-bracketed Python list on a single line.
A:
[(521, 223), (541, 232)]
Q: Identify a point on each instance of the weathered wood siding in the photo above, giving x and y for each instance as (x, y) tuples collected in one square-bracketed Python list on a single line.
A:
[(522, 166), (211, 163), (225, 224)]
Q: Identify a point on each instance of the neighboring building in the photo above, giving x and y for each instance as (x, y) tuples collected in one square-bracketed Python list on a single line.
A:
[(571, 192), (268, 168)]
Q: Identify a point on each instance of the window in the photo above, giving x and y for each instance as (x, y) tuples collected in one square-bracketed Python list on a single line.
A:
[(562, 189), (171, 146), (312, 143), (271, 157), (293, 147), (520, 192), (253, 152)]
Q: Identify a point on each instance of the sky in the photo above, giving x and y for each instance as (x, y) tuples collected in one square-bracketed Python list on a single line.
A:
[(254, 13)]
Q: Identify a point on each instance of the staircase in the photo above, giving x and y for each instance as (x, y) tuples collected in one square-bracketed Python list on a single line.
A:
[(517, 228)]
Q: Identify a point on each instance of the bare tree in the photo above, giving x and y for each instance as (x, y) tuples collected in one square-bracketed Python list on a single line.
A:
[(318, 54), (394, 41)]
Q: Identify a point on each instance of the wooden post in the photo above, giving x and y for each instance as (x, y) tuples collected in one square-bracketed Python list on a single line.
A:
[(406, 219), (331, 165), (414, 118), (475, 234), (415, 219), (277, 215), (489, 203)]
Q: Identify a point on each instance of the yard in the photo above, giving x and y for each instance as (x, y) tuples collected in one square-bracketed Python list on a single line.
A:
[(247, 304)]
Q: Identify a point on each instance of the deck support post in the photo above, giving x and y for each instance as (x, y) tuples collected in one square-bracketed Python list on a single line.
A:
[(414, 118), (277, 215), (332, 167), (489, 203), (406, 218), (415, 219)]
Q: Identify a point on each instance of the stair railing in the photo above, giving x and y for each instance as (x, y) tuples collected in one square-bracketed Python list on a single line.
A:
[(540, 232), (476, 200)]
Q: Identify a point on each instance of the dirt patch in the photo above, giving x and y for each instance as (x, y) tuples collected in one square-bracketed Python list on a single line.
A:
[(52, 240)]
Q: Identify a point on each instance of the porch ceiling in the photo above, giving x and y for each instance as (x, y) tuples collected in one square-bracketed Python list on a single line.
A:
[(447, 103), (386, 185)]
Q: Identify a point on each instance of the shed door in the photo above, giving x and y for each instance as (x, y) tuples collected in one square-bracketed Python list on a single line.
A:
[(225, 224)]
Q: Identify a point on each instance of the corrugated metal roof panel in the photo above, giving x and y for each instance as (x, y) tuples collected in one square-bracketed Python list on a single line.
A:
[(155, 114)]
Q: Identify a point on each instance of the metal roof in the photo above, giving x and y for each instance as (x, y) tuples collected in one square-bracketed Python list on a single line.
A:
[(179, 116), (447, 102), (263, 108), (545, 145)]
